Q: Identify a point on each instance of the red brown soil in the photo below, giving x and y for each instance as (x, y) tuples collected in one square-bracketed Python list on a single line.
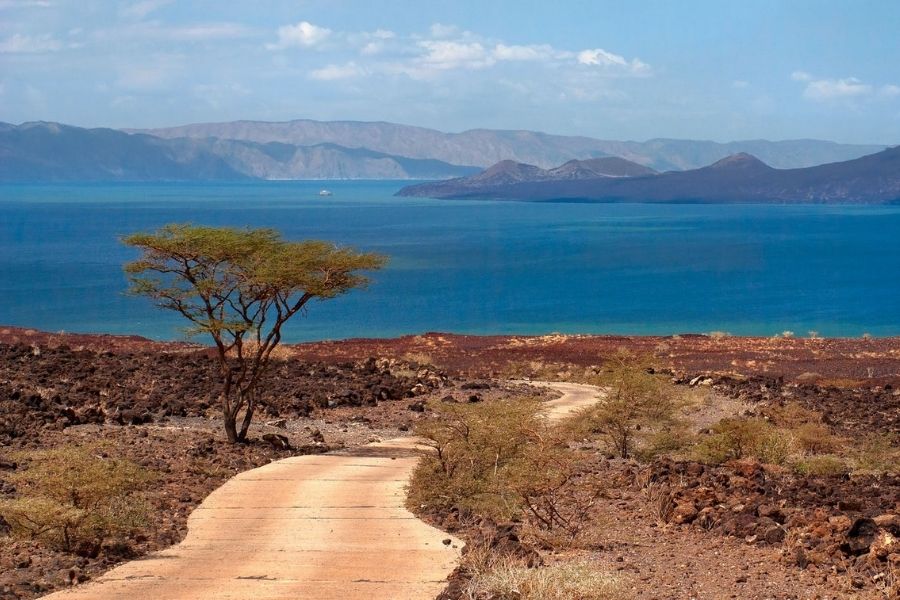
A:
[(876, 359), (76, 387)]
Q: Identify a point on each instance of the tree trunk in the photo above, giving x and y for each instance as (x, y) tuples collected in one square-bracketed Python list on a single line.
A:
[(229, 415), (248, 416)]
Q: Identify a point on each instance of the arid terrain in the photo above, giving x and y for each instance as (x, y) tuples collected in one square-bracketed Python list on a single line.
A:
[(673, 526)]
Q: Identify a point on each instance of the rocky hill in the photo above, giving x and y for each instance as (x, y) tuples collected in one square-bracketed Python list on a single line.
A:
[(510, 173), (873, 179)]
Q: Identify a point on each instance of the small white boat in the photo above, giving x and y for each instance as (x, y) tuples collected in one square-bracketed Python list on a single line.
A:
[(326, 193)]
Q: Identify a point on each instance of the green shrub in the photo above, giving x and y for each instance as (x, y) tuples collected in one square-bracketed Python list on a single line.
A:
[(825, 465), (773, 447), (500, 459), (635, 403), (665, 442), (69, 496), (731, 439)]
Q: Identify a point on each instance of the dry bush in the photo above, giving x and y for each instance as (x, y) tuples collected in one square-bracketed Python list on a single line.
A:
[(478, 448), (575, 580), (877, 453), (557, 495), (500, 459), (825, 465), (73, 498), (815, 438), (636, 403), (792, 415), (660, 500), (736, 438), (671, 441)]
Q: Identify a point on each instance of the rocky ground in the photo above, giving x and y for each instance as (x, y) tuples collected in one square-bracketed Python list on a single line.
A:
[(739, 530)]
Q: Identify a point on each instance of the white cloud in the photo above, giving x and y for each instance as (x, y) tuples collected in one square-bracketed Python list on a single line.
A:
[(740, 84), (608, 60), (335, 72), (447, 54), (28, 44), (524, 53), (845, 89), (304, 34), (835, 89)]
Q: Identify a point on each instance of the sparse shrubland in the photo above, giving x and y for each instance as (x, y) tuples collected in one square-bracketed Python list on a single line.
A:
[(75, 498), (501, 460), (795, 436)]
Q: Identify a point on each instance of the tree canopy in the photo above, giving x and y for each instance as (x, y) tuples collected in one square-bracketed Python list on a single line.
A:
[(240, 286)]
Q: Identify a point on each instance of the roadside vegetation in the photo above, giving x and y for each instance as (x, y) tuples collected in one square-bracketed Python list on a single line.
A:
[(75, 498), (502, 462)]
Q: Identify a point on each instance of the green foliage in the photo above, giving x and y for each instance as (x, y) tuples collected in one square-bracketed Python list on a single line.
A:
[(743, 438), (73, 495), (501, 459), (668, 441), (478, 450), (240, 286), (635, 403), (825, 465)]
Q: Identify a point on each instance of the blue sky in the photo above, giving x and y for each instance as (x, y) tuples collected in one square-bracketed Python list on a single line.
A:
[(776, 69)]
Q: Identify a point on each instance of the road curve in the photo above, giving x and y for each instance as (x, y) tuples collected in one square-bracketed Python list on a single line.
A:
[(308, 527)]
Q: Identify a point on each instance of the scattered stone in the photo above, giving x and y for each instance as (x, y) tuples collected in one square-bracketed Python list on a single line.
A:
[(277, 441)]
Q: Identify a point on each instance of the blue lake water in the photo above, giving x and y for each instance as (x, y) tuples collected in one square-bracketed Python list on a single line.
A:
[(471, 266)]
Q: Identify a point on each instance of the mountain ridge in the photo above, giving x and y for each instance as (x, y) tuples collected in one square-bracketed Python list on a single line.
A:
[(741, 178), (48, 151), (484, 147)]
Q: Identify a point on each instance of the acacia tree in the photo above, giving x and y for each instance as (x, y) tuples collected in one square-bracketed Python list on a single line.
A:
[(240, 286), (634, 399)]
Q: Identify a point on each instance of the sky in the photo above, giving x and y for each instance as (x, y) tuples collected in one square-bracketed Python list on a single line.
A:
[(720, 70)]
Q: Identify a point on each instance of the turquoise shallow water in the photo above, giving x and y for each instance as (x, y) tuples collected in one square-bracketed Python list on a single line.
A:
[(473, 267)]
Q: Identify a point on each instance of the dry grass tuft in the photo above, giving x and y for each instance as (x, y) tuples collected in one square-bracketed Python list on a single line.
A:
[(576, 580)]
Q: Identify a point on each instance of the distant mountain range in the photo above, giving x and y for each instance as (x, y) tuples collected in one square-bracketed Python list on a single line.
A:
[(303, 149), (484, 147), (55, 152), (873, 179)]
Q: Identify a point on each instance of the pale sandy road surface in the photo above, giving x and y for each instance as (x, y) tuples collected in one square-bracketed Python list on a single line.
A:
[(308, 527)]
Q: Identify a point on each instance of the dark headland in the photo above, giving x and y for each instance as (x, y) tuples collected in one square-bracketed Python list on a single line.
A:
[(740, 178)]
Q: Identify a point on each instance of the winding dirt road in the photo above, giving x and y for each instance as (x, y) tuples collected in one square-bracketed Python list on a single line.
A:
[(308, 527)]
